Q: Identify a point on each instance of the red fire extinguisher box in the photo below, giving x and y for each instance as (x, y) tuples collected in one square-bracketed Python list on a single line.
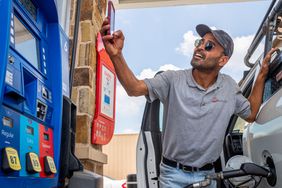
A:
[(104, 118)]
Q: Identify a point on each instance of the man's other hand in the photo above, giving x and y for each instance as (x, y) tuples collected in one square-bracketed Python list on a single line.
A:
[(265, 63)]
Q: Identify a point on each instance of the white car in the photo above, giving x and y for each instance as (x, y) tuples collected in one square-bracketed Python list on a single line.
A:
[(110, 183)]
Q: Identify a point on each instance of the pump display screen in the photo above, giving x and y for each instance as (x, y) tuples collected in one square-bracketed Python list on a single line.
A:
[(30, 7), (46, 136), (29, 130), (25, 43), (7, 122)]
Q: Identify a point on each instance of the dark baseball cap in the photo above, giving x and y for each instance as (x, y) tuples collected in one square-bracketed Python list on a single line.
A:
[(221, 36)]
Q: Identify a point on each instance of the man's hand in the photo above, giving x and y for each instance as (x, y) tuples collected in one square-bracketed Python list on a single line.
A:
[(265, 63), (256, 96), (113, 43)]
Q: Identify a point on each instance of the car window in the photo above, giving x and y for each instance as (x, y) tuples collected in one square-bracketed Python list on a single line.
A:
[(274, 80)]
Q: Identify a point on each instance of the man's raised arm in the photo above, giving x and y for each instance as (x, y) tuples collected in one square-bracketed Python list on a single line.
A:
[(257, 92)]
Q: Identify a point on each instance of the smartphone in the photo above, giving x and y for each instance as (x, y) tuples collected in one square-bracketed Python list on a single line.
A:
[(111, 17)]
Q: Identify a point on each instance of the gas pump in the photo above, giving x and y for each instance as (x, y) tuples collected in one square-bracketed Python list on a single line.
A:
[(33, 89)]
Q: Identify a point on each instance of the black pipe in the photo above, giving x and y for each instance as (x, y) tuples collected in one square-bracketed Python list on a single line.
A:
[(265, 16), (74, 45), (260, 33), (233, 173)]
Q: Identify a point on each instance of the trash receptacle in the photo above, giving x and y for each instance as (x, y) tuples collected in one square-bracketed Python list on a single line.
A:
[(131, 181)]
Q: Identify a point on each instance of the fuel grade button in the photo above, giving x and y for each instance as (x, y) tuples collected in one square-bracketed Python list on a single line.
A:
[(49, 165), (10, 160), (32, 163)]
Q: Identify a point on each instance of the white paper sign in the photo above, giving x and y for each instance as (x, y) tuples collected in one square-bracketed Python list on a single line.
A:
[(107, 97)]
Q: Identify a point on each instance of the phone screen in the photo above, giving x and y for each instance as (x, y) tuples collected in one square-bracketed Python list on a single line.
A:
[(111, 16)]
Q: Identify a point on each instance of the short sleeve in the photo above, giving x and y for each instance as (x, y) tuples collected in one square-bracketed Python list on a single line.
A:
[(242, 108), (159, 86)]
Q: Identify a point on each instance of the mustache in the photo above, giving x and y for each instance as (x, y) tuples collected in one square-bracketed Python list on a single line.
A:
[(200, 52)]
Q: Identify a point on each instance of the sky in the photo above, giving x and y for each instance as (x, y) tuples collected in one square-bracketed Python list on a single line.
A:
[(163, 38)]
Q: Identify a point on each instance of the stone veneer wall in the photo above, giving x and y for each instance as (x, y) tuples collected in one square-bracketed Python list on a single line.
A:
[(83, 91)]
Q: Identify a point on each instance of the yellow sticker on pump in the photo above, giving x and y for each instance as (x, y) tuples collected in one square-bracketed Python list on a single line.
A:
[(13, 158), (52, 165), (35, 162)]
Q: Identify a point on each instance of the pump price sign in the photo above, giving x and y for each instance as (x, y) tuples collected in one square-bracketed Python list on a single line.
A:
[(104, 118), (13, 158)]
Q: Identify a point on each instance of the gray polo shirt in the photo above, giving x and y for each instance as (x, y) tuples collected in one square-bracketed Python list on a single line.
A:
[(195, 119)]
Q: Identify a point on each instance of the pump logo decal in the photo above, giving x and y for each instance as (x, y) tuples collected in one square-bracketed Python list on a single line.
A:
[(66, 47)]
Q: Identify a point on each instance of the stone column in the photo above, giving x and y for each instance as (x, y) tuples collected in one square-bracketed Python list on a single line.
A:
[(83, 91)]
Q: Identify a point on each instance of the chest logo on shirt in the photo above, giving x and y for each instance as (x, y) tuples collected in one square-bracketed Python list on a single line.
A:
[(214, 99)]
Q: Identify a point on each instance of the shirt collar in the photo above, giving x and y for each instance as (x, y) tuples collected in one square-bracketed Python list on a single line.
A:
[(192, 83)]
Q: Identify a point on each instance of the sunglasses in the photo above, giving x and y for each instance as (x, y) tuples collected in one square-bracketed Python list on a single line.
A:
[(208, 45)]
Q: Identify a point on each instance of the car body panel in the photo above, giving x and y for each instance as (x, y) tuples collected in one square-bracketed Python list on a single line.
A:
[(265, 136)]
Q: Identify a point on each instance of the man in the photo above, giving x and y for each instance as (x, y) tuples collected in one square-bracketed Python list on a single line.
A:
[(198, 103)]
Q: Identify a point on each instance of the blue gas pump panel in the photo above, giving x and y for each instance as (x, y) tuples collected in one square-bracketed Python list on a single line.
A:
[(10, 135), (28, 87), (29, 139), (31, 88)]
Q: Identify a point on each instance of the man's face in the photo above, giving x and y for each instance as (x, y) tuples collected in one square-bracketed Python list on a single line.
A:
[(207, 59)]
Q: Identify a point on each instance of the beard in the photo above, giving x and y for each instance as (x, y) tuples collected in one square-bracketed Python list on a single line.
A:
[(206, 65)]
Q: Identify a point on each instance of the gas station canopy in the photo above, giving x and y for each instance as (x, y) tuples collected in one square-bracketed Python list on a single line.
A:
[(128, 4)]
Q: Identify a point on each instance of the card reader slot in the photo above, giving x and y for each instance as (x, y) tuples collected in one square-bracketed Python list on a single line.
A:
[(13, 98), (13, 95)]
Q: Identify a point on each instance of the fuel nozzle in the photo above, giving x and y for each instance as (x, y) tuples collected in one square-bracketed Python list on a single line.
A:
[(246, 169)]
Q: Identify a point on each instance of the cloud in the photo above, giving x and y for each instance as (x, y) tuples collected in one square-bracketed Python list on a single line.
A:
[(235, 66), (123, 20), (149, 73), (187, 46), (129, 110)]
